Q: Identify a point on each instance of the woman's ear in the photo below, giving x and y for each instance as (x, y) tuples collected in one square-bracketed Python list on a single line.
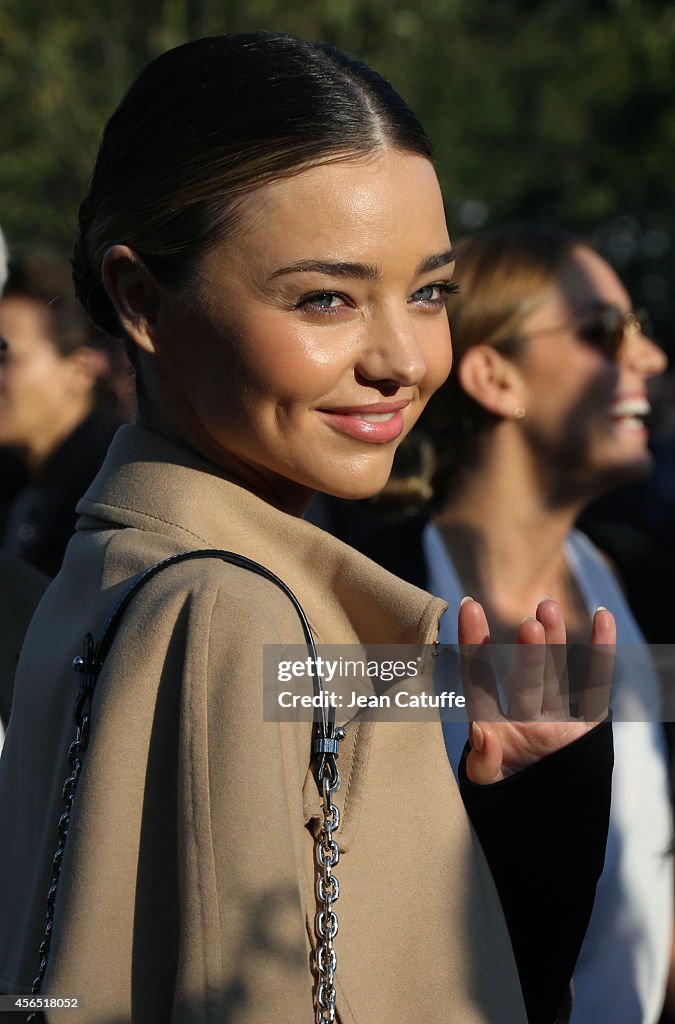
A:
[(492, 380), (134, 293), (87, 366)]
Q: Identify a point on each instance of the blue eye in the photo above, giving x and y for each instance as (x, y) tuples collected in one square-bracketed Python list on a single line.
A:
[(431, 293), (434, 294), (324, 300)]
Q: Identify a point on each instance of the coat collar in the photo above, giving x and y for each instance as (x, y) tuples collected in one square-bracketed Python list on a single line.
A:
[(151, 483)]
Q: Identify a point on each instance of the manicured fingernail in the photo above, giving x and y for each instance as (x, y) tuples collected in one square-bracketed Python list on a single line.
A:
[(601, 608), (477, 737), (528, 618), (464, 600)]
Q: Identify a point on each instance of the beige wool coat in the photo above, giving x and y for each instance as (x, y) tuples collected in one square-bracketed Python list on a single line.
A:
[(187, 888)]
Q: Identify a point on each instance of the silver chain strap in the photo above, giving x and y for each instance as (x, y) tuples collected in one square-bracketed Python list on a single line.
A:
[(327, 892)]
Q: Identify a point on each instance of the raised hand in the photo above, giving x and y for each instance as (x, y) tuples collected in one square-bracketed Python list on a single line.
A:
[(537, 721)]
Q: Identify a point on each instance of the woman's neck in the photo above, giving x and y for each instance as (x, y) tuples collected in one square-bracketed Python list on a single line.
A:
[(506, 540), (284, 494), (43, 446)]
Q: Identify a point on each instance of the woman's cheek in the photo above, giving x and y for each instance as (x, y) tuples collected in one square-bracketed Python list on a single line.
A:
[(439, 364)]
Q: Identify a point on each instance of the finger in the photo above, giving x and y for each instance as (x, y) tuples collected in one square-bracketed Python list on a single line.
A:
[(598, 679), (526, 685), (484, 762), (555, 700), (475, 662), (472, 624)]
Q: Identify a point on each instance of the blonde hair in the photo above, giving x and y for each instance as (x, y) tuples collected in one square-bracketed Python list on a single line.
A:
[(504, 273)]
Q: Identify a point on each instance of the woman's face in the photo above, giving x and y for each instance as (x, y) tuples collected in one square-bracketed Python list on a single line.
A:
[(584, 409), (319, 331), (36, 381)]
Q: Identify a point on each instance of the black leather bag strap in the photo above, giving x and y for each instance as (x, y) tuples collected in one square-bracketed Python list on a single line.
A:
[(112, 622), (93, 658)]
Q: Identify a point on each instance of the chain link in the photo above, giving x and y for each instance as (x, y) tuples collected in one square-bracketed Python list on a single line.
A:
[(75, 760), (327, 891)]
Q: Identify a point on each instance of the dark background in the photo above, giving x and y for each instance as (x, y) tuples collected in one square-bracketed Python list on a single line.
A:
[(555, 111)]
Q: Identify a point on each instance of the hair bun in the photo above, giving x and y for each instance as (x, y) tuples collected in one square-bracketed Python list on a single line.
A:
[(90, 290)]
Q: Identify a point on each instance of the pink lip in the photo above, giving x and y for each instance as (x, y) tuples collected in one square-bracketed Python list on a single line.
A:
[(625, 396), (349, 420)]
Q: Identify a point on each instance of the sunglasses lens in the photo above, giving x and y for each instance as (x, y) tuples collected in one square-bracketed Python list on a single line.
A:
[(643, 323), (604, 330)]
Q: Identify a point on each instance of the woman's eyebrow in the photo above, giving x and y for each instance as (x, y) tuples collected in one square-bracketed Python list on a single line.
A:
[(435, 262), (362, 271)]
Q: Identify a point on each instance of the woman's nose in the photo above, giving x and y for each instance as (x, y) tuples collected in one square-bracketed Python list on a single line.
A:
[(392, 353), (642, 354)]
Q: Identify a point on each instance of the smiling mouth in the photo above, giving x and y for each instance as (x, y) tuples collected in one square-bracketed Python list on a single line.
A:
[(375, 417), (630, 412), (376, 424)]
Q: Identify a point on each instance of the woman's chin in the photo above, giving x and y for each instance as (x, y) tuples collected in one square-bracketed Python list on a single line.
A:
[(357, 489), (355, 492), (357, 481), (626, 467)]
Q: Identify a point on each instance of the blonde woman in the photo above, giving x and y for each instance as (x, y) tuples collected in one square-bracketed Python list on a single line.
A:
[(545, 411)]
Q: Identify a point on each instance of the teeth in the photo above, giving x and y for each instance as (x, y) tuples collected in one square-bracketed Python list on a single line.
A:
[(631, 407), (376, 417), (629, 423)]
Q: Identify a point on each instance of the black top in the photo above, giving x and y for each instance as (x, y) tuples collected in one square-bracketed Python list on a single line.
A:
[(543, 832), (40, 519)]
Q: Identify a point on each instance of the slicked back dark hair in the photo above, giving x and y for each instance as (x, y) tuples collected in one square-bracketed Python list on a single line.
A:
[(206, 124)]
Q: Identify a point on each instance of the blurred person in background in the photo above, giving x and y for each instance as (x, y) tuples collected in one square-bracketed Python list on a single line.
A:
[(57, 415), (542, 413), (21, 586)]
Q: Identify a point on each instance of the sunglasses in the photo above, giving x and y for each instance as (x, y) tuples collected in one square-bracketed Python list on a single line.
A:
[(604, 328)]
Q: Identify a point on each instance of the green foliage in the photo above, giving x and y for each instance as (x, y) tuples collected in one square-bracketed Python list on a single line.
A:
[(558, 110)]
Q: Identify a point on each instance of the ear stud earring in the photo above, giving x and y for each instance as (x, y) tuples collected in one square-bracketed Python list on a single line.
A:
[(518, 412)]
